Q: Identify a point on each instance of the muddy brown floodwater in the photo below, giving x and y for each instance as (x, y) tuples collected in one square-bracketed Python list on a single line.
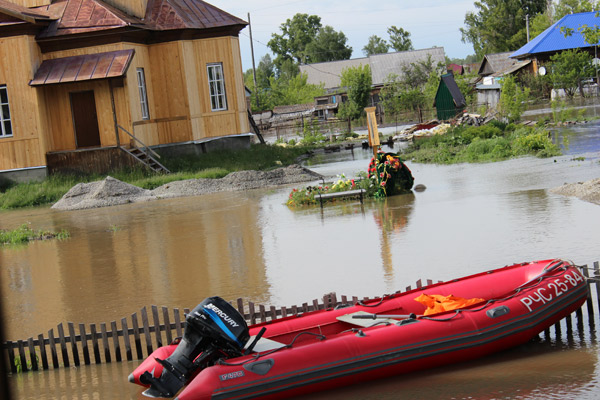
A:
[(248, 244)]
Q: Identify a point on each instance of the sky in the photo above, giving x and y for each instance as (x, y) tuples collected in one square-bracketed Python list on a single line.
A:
[(430, 22)]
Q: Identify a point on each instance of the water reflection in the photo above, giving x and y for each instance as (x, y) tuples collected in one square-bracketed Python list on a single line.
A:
[(170, 252), (533, 371), (391, 216)]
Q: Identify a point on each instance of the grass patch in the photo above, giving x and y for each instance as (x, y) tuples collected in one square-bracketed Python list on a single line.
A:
[(25, 234), (488, 143), (211, 165)]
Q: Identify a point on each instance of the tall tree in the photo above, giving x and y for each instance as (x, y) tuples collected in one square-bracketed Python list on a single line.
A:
[(304, 40), (376, 45), (264, 71), (400, 39), (328, 45), (499, 25), (296, 33), (564, 7)]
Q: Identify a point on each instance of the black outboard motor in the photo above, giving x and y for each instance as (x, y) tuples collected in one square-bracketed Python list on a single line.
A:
[(214, 329)]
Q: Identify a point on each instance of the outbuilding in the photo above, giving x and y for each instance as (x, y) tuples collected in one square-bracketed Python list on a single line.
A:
[(449, 100)]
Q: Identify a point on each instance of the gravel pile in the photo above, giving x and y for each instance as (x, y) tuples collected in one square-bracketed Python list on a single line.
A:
[(111, 191), (586, 191)]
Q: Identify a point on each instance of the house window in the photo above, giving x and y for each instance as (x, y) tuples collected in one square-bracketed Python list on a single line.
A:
[(141, 78), (216, 85), (5, 124)]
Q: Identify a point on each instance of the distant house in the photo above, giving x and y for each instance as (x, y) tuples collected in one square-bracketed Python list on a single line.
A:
[(456, 69), (492, 69), (91, 83), (382, 65), (553, 40), (494, 66), (449, 101)]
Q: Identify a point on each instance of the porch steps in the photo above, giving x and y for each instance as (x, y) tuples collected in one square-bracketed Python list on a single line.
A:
[(146, 159)]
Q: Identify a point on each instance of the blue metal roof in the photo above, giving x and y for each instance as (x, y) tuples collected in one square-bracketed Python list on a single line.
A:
[(552, 39)]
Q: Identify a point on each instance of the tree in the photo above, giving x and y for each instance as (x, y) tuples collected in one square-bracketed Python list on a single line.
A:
[(417, 74), (264, 71), (539, 24), (328, 45), (376, 45), (399, 39), (390, 96), (512, 99), (568, 69), (304, 40), (414, 90), (499, 25), (295, 90), (564, 7), (357, 81), (542, 21), (296, 34)]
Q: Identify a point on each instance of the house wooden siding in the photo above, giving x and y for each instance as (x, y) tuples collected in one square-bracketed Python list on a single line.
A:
[(178, 95), (177, 86), (178, 92), (26, 147)]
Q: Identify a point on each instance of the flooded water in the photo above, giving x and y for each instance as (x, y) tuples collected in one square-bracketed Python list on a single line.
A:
[(176, 252)]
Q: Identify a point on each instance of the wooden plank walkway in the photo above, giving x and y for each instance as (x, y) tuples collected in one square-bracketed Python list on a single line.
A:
[(136, 337)]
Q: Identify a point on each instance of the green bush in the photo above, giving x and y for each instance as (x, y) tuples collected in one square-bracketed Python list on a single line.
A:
[(482, 144), (488, 150), (480, 132), (535, 142)]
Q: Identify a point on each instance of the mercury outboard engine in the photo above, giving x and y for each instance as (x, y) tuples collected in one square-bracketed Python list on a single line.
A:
[(214, 329)]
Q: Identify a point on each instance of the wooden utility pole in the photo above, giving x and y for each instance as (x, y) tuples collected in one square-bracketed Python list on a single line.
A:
[(253, 65)]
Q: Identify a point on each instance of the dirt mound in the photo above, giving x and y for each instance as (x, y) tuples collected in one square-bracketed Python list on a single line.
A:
[(108, 192), (111, 191), (586, 191)]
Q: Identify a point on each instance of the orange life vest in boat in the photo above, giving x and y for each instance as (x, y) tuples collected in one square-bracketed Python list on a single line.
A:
[(436, 303)]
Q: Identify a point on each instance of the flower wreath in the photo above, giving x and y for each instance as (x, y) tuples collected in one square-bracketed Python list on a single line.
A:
[(390, 174)]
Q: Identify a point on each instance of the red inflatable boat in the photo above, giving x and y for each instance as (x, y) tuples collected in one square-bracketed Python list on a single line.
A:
[(219, 357)]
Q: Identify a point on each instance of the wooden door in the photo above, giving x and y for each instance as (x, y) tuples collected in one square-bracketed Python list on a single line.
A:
[(85, 119)]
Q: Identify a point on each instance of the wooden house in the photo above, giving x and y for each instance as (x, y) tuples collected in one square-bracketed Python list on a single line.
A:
[(491, 71), (94, 85)]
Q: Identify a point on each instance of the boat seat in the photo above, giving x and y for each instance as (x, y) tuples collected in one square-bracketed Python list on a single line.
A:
[(264, 344), (365, 323)]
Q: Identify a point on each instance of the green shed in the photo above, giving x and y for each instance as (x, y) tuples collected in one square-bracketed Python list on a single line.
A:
[(449, 101)]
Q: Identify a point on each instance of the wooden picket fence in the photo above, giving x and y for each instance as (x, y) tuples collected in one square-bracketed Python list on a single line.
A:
[(137, 337)]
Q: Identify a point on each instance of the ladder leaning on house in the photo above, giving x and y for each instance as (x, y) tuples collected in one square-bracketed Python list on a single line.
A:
[(255, 127), (144, 154)]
